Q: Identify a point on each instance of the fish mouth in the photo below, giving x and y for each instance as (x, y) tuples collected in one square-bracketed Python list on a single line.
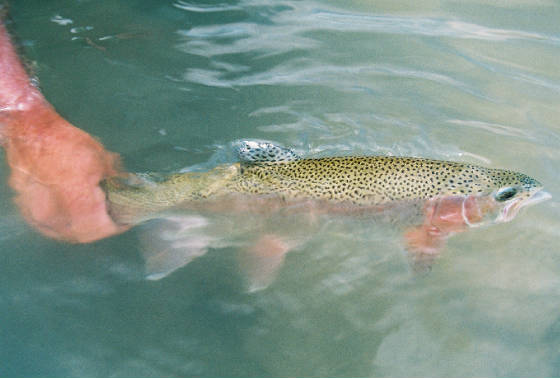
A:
[(511, 209)]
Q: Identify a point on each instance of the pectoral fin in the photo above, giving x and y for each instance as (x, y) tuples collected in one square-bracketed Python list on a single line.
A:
[(424, 240), (443, 217), (424, 244)]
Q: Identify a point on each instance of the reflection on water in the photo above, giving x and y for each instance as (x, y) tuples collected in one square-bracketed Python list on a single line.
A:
[(168, 83)]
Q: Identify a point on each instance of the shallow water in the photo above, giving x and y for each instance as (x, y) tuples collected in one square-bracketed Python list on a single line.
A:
[(167, 84)]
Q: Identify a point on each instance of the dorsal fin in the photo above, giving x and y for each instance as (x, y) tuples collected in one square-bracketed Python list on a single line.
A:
[(250, 151)]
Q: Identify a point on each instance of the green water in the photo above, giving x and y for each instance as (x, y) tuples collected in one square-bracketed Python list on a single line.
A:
[(167, 84)]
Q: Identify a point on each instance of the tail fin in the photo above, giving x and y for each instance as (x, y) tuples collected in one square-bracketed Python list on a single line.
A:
[(16, 89)]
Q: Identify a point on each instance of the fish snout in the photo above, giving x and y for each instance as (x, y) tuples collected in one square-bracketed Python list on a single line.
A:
[(510, 210), (539, 196)]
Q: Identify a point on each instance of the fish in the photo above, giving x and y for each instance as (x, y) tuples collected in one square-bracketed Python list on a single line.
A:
[(437, 198)]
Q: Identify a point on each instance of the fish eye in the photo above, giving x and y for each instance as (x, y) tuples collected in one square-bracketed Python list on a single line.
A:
[(505, 193)]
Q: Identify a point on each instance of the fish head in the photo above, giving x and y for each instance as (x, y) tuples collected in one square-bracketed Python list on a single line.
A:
[(491, 196), (511, 192)]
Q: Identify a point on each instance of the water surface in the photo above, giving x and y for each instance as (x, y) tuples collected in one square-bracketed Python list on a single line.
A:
[(168, 83)]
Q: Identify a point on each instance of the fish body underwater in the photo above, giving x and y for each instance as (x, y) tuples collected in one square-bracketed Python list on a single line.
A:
[(445, 197)]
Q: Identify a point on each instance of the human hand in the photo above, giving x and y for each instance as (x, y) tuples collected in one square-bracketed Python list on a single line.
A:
[(55, 171), (55, 167)]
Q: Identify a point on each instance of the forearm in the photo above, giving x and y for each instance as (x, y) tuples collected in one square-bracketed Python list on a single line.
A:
[(17, 93)]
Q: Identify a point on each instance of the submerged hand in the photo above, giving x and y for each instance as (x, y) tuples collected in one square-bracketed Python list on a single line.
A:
[(55, 167), (55, 171)]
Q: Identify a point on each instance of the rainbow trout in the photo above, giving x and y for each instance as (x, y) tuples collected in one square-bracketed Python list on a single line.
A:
[(449, 196)]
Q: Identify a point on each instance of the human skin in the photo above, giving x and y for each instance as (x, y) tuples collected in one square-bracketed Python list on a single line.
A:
[(55, 167)]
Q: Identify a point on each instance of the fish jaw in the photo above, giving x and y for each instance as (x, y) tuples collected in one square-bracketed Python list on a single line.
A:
[(512, 207)]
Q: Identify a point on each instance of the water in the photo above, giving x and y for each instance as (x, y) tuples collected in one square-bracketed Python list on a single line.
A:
[(167, 84)]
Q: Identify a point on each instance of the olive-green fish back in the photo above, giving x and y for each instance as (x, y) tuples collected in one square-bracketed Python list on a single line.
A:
[(364, 180)]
